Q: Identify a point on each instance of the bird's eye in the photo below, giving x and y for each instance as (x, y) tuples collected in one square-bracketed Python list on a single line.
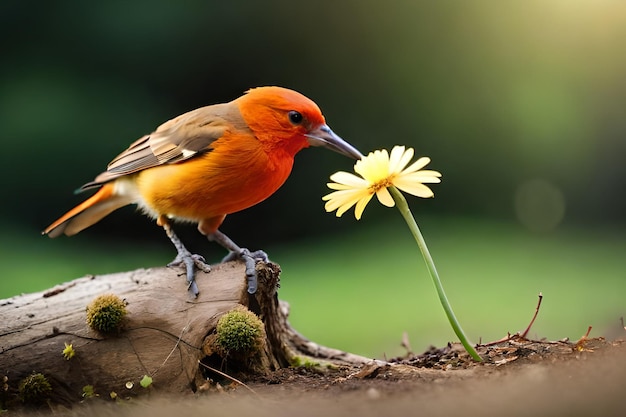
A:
[(295, 117)]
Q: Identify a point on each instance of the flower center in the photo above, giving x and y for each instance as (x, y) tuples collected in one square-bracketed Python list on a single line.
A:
[(384, 183)]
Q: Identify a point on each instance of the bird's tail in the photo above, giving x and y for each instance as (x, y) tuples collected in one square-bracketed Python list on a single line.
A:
[(89, 212)]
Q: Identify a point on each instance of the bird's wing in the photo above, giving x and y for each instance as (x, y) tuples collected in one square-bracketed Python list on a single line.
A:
[(176, 140)]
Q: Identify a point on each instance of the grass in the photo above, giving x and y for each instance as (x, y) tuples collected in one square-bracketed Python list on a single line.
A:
[(359, 292)]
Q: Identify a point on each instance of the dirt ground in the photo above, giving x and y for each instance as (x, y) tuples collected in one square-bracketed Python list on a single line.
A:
[(519, 378)]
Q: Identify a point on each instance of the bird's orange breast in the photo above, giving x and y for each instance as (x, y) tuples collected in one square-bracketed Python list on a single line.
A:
[(236, 174)]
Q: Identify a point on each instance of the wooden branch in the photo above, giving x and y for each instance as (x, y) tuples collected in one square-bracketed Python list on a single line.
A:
[(162, 335)]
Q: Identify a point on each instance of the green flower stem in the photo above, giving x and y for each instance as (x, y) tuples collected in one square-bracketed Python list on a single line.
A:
[(410, 220)]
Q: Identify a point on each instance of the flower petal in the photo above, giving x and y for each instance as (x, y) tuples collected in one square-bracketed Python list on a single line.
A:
[(343, 200), (338, 198), (360, 206), (349, 179), (358, 201), (417, 165), (374, 167), (335, 186), (420, 176), (399, 158), (385, 197), (426, 173), (415, 188)]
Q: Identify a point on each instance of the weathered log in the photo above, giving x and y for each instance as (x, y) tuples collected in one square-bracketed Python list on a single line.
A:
[(162, 335)]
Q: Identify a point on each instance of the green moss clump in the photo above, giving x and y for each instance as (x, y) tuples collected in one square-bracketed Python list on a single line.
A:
[(239, 332), (311, 364), (304, 362), (34, 388), (105, 313)]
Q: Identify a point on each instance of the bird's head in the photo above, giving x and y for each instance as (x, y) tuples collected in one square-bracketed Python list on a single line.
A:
[(288, 120)]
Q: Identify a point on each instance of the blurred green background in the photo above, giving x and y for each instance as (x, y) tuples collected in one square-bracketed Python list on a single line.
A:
[(521, 105)]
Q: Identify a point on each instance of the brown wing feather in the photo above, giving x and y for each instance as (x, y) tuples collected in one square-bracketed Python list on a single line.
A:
[(176, 140)]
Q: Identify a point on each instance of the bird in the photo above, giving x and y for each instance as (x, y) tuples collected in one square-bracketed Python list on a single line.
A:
[(208, 163)]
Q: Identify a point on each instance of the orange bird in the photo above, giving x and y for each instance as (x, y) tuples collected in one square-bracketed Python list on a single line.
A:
[(205, 164)]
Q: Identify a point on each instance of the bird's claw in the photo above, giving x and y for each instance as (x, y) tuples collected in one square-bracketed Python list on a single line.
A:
[(191, 262), (259, 255), (250, 259)]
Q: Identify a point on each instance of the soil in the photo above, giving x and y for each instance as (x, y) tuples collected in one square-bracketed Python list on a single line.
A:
[(519, 377)]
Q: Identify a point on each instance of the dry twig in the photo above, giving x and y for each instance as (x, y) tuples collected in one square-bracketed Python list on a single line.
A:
[(225, 375)]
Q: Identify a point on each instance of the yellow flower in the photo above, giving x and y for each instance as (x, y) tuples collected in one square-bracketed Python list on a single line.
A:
[(378, 171)]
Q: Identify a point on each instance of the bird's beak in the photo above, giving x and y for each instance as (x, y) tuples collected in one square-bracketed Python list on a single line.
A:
[(323, 136)]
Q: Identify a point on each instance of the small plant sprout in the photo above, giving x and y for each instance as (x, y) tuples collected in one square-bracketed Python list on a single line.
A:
[(68, 352), (146, 381), (89, 391), (105, 313), (384, 174)]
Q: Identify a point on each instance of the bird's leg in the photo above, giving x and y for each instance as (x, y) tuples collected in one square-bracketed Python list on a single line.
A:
[(184, 257), (250, 258)]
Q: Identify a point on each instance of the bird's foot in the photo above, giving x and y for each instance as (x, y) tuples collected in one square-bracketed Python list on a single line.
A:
[(190, 262), (235, 252), (250, 259), (184, 258), (258, 255)]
